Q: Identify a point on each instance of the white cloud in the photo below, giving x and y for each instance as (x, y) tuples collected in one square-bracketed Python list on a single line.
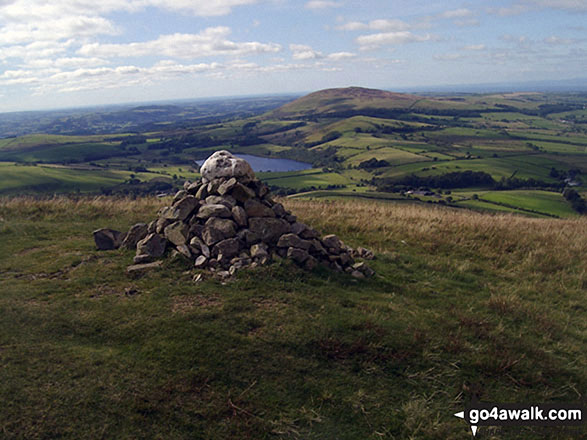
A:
[(209, 42), (321, 4), (457, 13), (304, 52), (475, 47), (524, 6), (389, 25), (373, 41)]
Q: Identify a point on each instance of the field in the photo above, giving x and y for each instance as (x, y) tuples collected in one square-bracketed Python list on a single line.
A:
[(358, 141), (463, 305)]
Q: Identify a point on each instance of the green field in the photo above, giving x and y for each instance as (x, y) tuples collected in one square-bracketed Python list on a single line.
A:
[(463, 305), (510, 136)]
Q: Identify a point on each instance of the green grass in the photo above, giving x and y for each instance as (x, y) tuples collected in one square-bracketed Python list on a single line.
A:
[(463, 304)]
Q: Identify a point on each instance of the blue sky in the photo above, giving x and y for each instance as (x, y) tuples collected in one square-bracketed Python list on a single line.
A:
[(63, 53)]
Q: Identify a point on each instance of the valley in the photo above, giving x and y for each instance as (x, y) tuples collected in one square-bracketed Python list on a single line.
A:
[(514, 152)]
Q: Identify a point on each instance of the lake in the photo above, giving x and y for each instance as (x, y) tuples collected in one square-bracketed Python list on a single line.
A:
[(269, 164)]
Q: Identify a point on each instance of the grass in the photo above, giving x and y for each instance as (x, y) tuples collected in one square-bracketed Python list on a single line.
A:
[(463, 305)]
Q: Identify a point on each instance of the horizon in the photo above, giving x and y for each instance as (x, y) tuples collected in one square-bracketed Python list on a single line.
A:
[(76, 54)]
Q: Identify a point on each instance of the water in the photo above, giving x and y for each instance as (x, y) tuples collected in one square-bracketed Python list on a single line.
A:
[(269, 164)]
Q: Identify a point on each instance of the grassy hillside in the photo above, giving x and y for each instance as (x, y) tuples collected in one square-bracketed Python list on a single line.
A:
[(463, 305)]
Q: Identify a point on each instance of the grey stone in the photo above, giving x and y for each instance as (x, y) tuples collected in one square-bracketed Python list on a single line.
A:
[(162, 223), (227, 201), (224, 164), (227, 248), (357, 274), (143, 258), (227, 186), (193, 188), (179, 195), (184, 250), (291, 218), (177, 233), (201, 261), (298, 255), (292, 240), (310, 263), (214, 210), (137, 268), (239, 215), (136, 233), (259, 250), (317, 248), (153, 245), (224, 225), (202, 192), (268, 229), (279, 210), (332, 242), (108, 239), (211, 235), (258, 209), (309, 233), (242, 193)]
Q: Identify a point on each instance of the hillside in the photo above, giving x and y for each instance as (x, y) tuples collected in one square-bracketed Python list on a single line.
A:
[(464, 305), (515, 152)]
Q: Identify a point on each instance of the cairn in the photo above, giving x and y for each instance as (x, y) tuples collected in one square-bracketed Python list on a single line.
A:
[(228, 221)]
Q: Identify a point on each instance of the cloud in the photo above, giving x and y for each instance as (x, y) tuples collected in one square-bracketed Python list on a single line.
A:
[(457, 13), (475, 47), (209, 42), (524, 6), (304, 52), (321, 4), (374, 41), (389, 25)]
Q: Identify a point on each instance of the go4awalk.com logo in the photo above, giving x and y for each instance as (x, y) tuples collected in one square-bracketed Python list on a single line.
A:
[(519, 414)]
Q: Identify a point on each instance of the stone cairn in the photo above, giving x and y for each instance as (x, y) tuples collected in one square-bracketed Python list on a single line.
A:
[(228, 221)]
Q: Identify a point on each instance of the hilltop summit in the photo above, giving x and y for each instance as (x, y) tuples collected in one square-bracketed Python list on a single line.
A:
[(346, 99)]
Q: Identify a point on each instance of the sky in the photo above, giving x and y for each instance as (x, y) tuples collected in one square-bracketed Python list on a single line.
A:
[(69, 53)]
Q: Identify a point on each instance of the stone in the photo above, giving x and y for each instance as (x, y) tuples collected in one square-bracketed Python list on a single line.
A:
[(259, 250), (202, 192), (152, 227), (239, 215), (309, 233), (201, 261), (177, 233), (212, 235), (183, 208), (345, 259), (268, 229), (224, 164), (242, 193), (227, 248), (332, 242), (162, 223), (357, 274), (298, 227), (179, 195), (184, 250), (136, 233), (153, 245), (224, 225), (310, 263), (227, 201), (227, 186), (108, 239), (361, 252), (292, 240), (141, 259), (254, 208), (291, 218), (317, 248), (298, 255), (193, 188), (279, 210), (213, 210), (363, 268), (138, 268)]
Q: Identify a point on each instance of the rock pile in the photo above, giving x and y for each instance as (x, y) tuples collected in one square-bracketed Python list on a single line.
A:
[(228, 221)]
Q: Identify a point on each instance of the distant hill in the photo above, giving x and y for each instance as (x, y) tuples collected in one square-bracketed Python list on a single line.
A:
[(338, 100)]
